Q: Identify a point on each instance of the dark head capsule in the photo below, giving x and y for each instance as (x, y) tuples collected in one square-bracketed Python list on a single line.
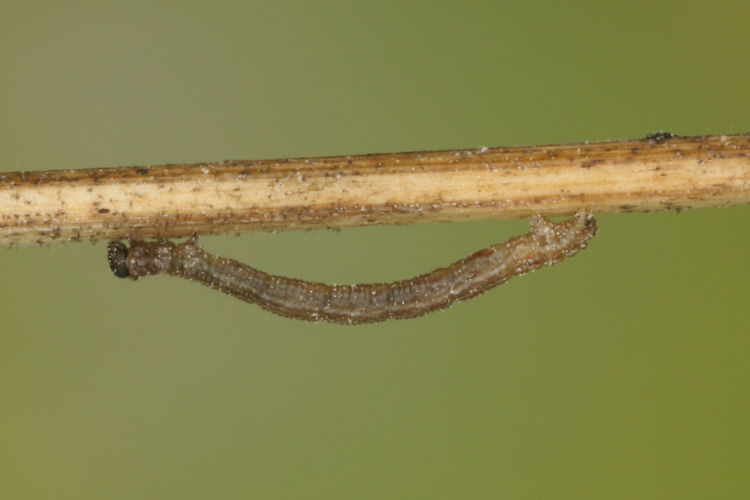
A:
[(117, 256)]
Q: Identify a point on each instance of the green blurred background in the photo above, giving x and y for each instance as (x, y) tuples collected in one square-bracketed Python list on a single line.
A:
[(621, 373)]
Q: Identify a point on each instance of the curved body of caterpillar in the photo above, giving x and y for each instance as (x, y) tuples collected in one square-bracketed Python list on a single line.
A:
[(546, 244)]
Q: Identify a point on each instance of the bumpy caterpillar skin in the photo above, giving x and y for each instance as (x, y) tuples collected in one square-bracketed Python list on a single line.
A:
[(546, 244)]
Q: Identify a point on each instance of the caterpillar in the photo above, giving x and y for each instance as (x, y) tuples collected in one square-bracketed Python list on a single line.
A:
[(545, 244)]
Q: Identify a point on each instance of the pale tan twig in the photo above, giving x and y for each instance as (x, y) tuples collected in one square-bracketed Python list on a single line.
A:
[(656, 173)]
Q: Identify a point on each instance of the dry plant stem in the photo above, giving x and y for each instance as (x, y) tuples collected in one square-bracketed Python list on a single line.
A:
[(656, 173)]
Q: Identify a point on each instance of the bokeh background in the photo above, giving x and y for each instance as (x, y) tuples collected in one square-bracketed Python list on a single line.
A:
[(621, 373)]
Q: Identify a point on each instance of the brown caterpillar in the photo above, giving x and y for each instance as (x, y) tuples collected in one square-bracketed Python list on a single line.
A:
[(546, 244)]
